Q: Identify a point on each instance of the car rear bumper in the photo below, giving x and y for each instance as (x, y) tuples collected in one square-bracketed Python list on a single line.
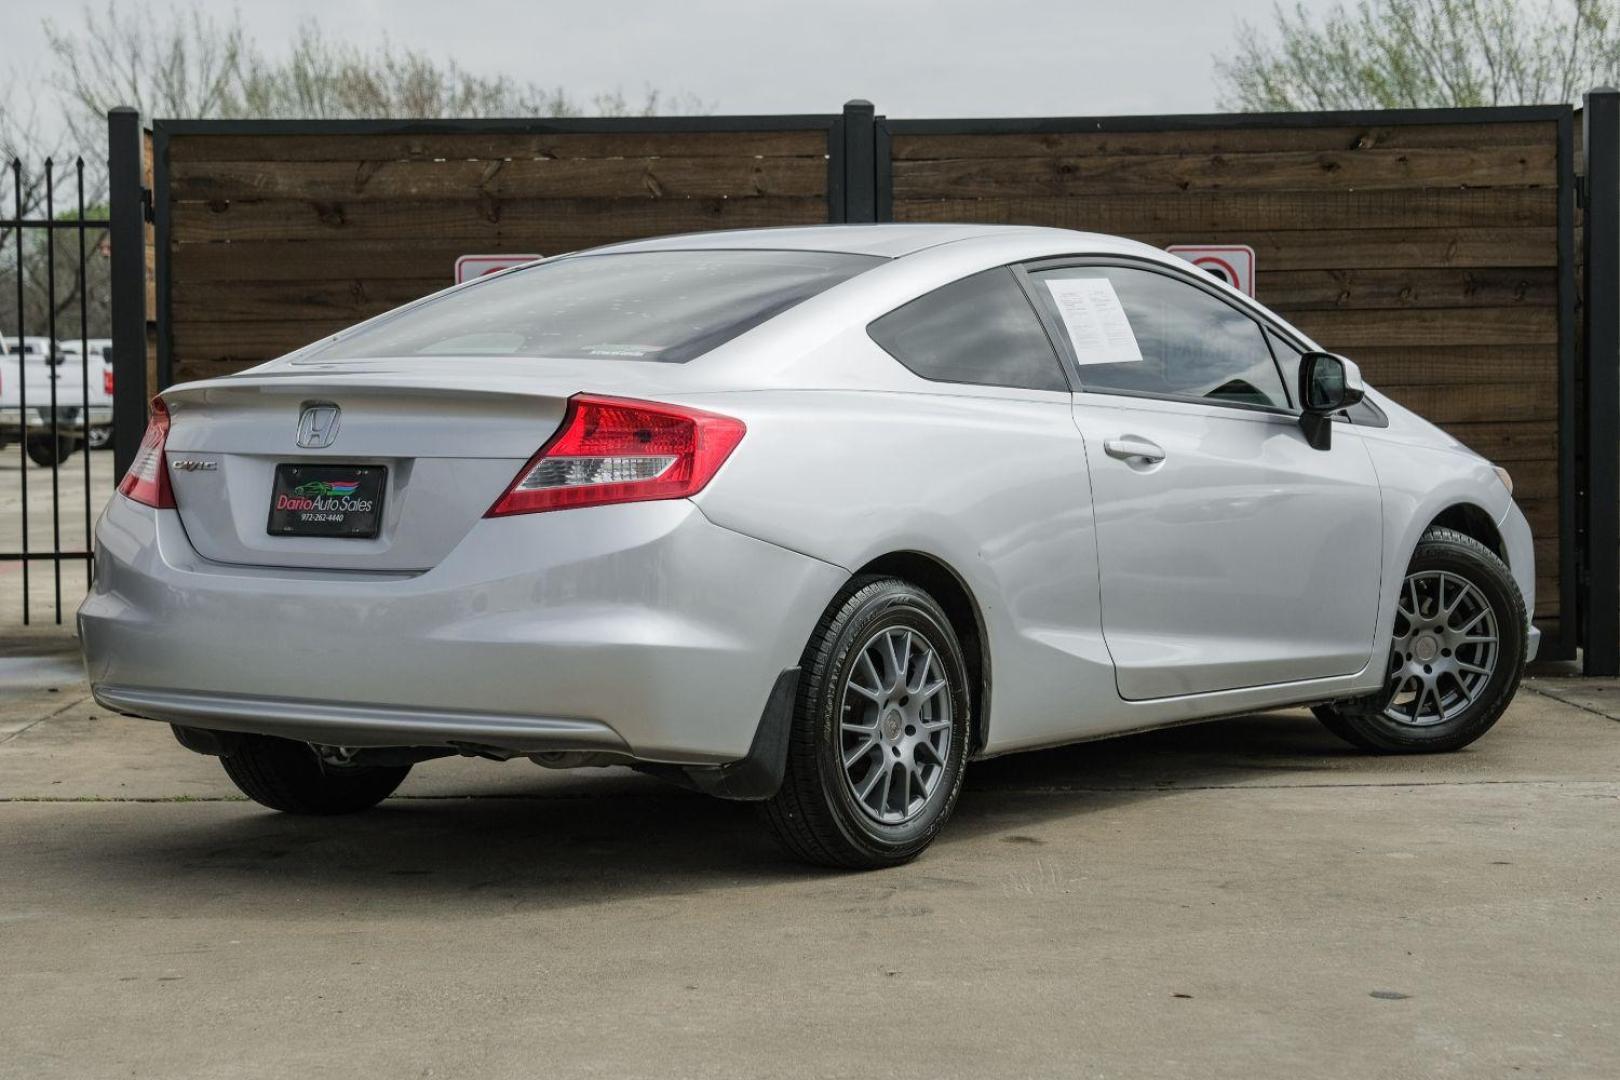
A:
[(641, 629)]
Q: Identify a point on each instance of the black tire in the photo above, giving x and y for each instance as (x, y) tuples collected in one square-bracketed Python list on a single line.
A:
[(287, 776), (45, 451), (100, 438), (1362, 722), (817, 815)]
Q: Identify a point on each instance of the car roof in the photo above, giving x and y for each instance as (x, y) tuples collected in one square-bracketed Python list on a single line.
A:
[(889, 241)]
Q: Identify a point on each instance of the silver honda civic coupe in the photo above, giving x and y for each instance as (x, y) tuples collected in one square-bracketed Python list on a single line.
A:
[(810, 517)]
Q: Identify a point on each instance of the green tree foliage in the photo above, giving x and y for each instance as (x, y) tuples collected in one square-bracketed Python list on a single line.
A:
[(1393, 54)]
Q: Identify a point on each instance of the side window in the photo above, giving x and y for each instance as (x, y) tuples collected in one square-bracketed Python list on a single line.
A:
[(1188, 344), (979, 330)]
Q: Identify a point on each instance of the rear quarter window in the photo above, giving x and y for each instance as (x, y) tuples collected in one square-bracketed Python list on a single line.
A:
[(980, 330)]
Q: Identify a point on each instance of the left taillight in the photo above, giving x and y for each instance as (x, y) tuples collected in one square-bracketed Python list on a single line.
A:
[(613, 450), (147, 481)]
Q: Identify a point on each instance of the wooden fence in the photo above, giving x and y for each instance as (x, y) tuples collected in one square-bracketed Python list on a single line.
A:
[(1432, 248), (1436, 248), (280, 235)]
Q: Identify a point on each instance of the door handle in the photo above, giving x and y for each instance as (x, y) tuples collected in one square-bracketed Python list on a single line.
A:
[(1133, 448)]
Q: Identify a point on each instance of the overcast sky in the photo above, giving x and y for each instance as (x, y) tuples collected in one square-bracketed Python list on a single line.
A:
[(911, 57)]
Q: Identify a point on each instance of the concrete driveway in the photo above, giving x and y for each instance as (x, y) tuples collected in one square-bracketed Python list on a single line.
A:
[(55, 513), (1243, 899)]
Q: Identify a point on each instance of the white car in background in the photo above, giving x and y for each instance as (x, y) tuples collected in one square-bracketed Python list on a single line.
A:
[(32, 368)]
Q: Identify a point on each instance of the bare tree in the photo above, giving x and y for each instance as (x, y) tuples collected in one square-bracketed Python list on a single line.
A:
[(191, 65), (1387, 54), (38, 180), (186, 66)]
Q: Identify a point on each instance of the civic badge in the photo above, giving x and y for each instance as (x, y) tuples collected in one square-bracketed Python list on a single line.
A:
[(318, 426)]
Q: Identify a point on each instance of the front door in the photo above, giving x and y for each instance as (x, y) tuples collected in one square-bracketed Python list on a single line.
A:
[(1231, 554)]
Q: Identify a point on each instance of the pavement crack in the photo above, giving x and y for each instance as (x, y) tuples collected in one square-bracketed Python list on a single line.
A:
[(1163, 789), (1173, 787), (53, 714), (1550, 696)]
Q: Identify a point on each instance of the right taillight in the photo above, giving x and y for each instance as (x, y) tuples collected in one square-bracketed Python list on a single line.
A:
[(614, 450), (147, 481), (107, 380)]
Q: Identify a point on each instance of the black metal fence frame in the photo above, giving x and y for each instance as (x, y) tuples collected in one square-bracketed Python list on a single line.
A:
[(860, 189), (51, 226)]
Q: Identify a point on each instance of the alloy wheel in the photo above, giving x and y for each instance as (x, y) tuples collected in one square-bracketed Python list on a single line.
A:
[(1445, 651), (895, 725)]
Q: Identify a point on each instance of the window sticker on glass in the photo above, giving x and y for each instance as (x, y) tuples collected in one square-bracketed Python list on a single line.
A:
[(1095, 320)]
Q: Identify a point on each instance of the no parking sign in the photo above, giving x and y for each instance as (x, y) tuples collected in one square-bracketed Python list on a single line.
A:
[(1232, 263), (476, 266)]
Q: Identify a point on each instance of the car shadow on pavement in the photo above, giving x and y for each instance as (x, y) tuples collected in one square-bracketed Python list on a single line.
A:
[(587, 838)]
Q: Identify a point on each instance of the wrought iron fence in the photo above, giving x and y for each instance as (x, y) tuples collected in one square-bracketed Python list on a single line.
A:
[(55, 373)]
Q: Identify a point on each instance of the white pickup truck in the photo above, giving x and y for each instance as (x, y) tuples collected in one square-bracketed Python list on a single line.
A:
[(101, 385), (35, 366)]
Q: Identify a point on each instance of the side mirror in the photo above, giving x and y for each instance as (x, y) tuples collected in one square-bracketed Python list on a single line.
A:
[(1327, 384)]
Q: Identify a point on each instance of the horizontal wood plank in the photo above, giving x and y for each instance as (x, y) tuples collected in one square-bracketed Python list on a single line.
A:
[(188, 369), (620, 178), (247, 340), (1505, 442), (1498, 402), (1270, 172), (1344, 331), (549, 225), (1198, 212), (467, 146), (1542, 516), (1235, 140), (1334, 249), (1389, 366), (1368, 288), (299, 300), (340, 260)]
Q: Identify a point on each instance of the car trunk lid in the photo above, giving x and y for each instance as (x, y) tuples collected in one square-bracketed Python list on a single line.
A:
[(450, 436)]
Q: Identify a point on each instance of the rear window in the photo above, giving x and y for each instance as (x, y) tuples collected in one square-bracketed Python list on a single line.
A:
[(663, 306)]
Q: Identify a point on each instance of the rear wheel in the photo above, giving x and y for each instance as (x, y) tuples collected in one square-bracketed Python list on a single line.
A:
[(880, 731), (289, 776), (1456, 659)]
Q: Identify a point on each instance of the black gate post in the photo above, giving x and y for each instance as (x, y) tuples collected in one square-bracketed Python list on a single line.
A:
[(1600, 613), (127, 205), (860, 162)]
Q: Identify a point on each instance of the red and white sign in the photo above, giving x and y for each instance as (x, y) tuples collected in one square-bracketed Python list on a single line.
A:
[(476, 266), (1232, 263)]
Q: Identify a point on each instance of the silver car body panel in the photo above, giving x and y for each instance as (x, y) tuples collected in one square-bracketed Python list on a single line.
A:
[(659, 628), (644, 620)]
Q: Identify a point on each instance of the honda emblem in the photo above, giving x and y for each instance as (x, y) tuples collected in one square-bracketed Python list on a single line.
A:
[(318, 426)]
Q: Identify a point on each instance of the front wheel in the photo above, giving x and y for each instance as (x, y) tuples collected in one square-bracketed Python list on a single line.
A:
[(880, 730), (1457, 655), (289, 776)]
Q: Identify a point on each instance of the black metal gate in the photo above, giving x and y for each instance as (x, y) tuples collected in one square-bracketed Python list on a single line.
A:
[(48, 400)]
